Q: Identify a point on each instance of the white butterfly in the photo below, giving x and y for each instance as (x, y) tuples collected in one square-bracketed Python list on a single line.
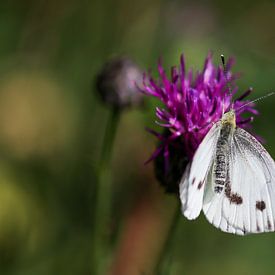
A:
[(232, 179)]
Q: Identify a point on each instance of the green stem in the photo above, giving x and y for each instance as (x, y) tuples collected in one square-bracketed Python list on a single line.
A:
[(103, 197), (165, 255)]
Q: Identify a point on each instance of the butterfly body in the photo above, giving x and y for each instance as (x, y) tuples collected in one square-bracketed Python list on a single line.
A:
[(222, 150), (232, 179)]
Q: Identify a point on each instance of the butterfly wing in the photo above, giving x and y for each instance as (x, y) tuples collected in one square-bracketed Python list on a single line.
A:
[(247, 203), (193, 181)]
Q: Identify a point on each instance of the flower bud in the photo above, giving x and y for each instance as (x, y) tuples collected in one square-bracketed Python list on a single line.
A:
[(118, 81)]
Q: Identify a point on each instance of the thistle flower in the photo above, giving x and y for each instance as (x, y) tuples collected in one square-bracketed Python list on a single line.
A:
[(192, 103), (116, 83)]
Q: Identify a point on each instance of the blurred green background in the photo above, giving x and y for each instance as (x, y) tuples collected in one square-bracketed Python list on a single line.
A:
[(52, 125)]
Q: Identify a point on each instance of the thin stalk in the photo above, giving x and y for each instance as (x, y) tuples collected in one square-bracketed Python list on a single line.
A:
[(103, 197), (164, 257)]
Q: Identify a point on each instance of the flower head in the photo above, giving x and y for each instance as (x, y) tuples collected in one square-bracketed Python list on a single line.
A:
[(192, 103)]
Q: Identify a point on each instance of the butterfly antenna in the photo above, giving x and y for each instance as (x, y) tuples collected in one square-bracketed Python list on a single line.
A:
[(228, 84), (255, 100)]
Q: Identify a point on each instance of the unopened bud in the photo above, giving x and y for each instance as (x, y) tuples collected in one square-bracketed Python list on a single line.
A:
[(118, 81)]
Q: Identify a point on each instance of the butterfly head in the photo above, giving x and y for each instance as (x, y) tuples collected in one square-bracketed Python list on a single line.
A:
[(229, 118)]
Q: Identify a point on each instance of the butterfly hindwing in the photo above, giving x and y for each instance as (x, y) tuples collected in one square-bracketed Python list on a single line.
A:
[(245, 205), (258, 185), (220, 209)]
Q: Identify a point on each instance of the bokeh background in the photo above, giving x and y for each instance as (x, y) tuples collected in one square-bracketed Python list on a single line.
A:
[(52, 125)]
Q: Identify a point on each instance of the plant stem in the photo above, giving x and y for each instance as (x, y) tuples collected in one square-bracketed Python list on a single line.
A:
[(161, 266), (103, 197)]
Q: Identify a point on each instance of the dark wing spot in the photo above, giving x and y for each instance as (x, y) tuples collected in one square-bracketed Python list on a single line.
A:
[(227, 225), (260, 205), (193, 181), (200, 185), (269, 224), (233, 197)]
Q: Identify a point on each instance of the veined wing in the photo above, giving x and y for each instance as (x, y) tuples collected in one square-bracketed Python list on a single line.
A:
[(193, 182), (247, 204)]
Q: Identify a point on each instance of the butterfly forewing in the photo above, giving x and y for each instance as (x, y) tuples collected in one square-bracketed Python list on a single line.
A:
[(184, 187), (193, 183)]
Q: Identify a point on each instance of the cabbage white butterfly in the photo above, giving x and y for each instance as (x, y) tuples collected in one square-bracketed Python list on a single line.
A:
[(232, 179)]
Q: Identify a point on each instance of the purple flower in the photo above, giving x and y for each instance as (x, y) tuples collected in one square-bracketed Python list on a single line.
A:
[(192, 103)]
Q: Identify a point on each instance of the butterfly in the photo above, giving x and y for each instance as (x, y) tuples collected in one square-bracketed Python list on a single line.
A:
[(232, 180)]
